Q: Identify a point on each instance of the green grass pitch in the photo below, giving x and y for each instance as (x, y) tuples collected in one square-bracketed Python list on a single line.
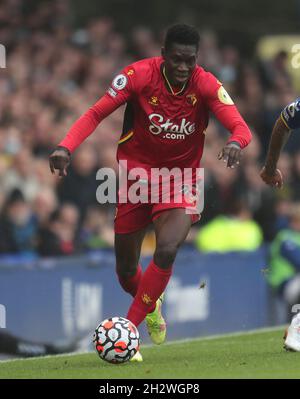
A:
[(257, 354)]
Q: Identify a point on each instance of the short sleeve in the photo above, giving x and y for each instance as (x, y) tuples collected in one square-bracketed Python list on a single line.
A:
[(222, 106), (290, 115), (215, 93), (123, 86)]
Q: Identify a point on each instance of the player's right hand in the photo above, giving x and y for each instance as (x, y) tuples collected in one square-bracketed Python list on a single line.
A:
[(231, 154), (272, 179), (60, 159)]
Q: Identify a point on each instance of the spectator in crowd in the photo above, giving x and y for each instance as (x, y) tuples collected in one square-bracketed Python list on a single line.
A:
[(56, 71), (80, 186), (233, 232), (18, 225), (20, 175), (294, 176), (96, 231), (284, 263), (59, 236), (44, 204)]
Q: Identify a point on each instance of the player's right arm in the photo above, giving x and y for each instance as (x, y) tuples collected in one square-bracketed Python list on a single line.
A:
[(289, 119), (119, 93)]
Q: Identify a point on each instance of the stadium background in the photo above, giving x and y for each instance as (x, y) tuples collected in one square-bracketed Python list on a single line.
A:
[(61, 56)]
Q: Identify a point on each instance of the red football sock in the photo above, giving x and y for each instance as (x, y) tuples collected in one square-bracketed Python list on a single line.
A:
[(130, 284), (152, 285)]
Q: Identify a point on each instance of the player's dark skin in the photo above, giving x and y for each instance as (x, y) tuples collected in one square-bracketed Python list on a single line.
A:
[(269, 173), (172, 226)]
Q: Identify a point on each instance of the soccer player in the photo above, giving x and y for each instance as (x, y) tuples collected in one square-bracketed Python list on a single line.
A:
[(288, 120), (18, 346), (169, 99)]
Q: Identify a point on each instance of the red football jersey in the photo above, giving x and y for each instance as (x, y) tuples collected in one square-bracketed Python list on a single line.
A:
[(160, 128)]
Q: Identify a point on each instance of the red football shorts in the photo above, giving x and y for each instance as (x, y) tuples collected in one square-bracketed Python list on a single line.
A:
[(131, 217)]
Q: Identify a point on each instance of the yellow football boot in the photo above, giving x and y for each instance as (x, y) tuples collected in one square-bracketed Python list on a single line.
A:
[(156, 324)]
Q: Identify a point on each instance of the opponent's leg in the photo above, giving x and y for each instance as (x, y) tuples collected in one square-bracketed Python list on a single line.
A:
[(127, 252), (171, 229), (291, 295), (14, 345)]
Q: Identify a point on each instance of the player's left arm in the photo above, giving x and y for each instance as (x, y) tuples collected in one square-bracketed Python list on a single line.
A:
[(288, 120), (269, 173), (226, 112)]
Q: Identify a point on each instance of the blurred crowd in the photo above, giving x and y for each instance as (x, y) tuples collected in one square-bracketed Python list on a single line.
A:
[(55, 72)]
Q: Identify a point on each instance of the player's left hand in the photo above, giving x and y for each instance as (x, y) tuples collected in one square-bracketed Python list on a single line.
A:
[(274, 179), (231, 154)]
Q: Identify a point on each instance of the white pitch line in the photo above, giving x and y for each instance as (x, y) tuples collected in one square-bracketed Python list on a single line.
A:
[(175, 342), (228, 335)]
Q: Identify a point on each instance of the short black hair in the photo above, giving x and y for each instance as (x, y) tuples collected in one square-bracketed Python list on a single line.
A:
[(182, 34)]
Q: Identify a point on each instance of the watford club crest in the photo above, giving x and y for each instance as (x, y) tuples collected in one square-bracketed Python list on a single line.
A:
[(191, 99), (153, 100), (146, 299)]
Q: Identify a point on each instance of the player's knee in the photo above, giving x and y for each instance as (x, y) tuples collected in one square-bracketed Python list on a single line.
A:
[(126, 268), (165, 254)]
